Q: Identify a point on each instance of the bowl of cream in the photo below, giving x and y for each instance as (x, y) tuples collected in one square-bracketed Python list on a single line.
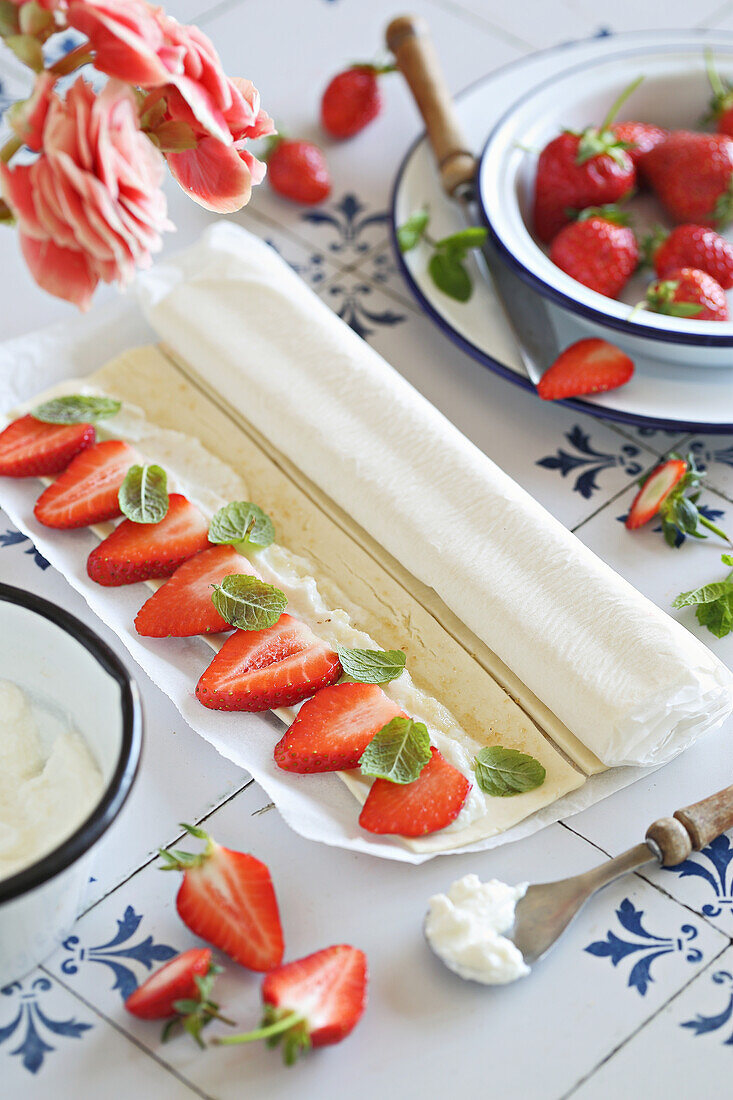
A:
[(70, 737)]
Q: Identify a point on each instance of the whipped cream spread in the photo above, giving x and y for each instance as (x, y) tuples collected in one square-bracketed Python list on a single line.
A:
[(46, 789), (466, 927)]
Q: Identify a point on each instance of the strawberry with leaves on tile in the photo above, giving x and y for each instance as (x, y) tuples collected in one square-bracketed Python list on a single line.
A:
[(447, 264), (671, 491), (311, 1002), (180, 992), (352, 99), (298, 171)]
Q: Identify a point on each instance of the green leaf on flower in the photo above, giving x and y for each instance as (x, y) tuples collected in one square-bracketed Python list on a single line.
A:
[(450, 276), (371, 666), (398, 752), (143, 495), (505, 772), (411, 232), (242, 523), (247, 602), (76, 408)]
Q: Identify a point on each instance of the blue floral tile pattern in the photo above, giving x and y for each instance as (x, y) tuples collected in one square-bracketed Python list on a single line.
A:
[(705, 455), (644, 946), (587, 463), (352, 304), (346, 222), (115, 956), (703, 1025), (11, 537), (714, 865), (713, 514), (32, 1027)]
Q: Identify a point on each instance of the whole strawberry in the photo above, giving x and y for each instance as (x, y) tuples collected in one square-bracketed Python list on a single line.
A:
[(688, 292), (721, 103), (692, 174), (599, 250), (638, 137), (297, 170), (691, 246), (352, 100)]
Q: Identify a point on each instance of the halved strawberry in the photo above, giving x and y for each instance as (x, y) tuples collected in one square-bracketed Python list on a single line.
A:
[(227, 898), (31, 448), (311, 1002), (264, 669), (415, 809), (182, 606), (588, 366), (153, 1000), (86, 492), (333, 728), (654, 492), (141, 551)]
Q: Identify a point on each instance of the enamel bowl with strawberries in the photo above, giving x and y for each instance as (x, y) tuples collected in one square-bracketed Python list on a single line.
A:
[(577, 214)]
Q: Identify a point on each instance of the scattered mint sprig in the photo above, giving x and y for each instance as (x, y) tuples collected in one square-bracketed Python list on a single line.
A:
[(398, 752), (371, 666), (143, 495), (242, 523), (713, 602), (447, 264), (247, 602), (76, 408), (503, 772)]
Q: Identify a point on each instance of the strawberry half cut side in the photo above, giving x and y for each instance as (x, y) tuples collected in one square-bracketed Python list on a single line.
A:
[(180, 991), (87, 491), (311, 1002), (333, 728), (428, 804), (654, 492), (264, 669), (182, 607), (227, 898), (143, 551), (32, 448), (588, 366)]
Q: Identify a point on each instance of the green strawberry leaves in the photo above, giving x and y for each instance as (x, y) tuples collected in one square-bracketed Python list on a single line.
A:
[(143, 495), (242, 524), (194, 1013), (398, 752), (247, 602), (679, 512), (371, 666), (502, 772), (446, 266), (76, 409), (713, 603)]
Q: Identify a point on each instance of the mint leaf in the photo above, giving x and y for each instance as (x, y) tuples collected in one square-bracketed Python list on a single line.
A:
[(143, 495), (76, 409), (247, 602), (371, 666), (242, 522), (504, 772), (459, 243), (708, 593), (398, 752), (450, 276), (410, 234), (717, 616)]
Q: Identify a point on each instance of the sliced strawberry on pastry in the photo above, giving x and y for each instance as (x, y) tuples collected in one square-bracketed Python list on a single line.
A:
[(182, 606), (87, 491), (142, 551), (264, 669), (429, 803), (32, 448), (333, 728)]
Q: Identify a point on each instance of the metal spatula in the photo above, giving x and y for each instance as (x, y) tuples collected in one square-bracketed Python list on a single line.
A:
[(546, 910)]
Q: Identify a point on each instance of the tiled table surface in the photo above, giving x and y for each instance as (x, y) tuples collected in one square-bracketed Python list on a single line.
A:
[(638, 1000)]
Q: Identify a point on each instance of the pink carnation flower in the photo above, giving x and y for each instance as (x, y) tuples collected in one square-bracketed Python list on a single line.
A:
[(28, 116), (90, 207)]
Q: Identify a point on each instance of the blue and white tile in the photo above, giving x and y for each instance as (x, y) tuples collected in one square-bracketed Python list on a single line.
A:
[(626, 954), (714, 454), (687, 1050), (537, 24)]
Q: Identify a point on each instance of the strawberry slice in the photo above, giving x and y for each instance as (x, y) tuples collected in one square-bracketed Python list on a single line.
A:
[(415, 809), (654, 492), (264, 669), (141, 551), (311, 1002), (227, 898), (154, 999), (589, 366), (333, 728), (182, 606), (86, 492), (31, 448)]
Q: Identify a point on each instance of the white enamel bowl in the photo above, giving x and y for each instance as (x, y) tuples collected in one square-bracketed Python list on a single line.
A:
[(673, 94), (62, 663)]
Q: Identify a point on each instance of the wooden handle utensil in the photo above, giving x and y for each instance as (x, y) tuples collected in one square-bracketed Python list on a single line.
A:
[(692, 827)]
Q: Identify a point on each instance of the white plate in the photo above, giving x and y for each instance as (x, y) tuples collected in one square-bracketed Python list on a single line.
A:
[(661, 394)]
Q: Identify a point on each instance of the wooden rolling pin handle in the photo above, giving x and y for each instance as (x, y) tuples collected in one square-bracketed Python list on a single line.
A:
[(408, 39), (692, 828)]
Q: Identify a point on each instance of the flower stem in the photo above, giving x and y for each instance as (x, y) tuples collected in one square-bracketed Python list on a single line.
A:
[(80, 55), (715, 529), (261, 1032), (10, 148)]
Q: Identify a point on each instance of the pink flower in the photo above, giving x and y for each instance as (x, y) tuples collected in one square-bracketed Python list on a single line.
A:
[(126, 37), (28, 116), (90, 207)]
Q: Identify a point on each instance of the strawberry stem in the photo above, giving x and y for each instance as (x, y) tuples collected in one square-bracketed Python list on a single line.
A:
[(281, 1025), (619, 102), (715, 529), (716, 83)]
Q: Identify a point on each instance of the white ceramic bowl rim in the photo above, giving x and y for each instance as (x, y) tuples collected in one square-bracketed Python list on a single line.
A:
[(679, 331), (128, 760)]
